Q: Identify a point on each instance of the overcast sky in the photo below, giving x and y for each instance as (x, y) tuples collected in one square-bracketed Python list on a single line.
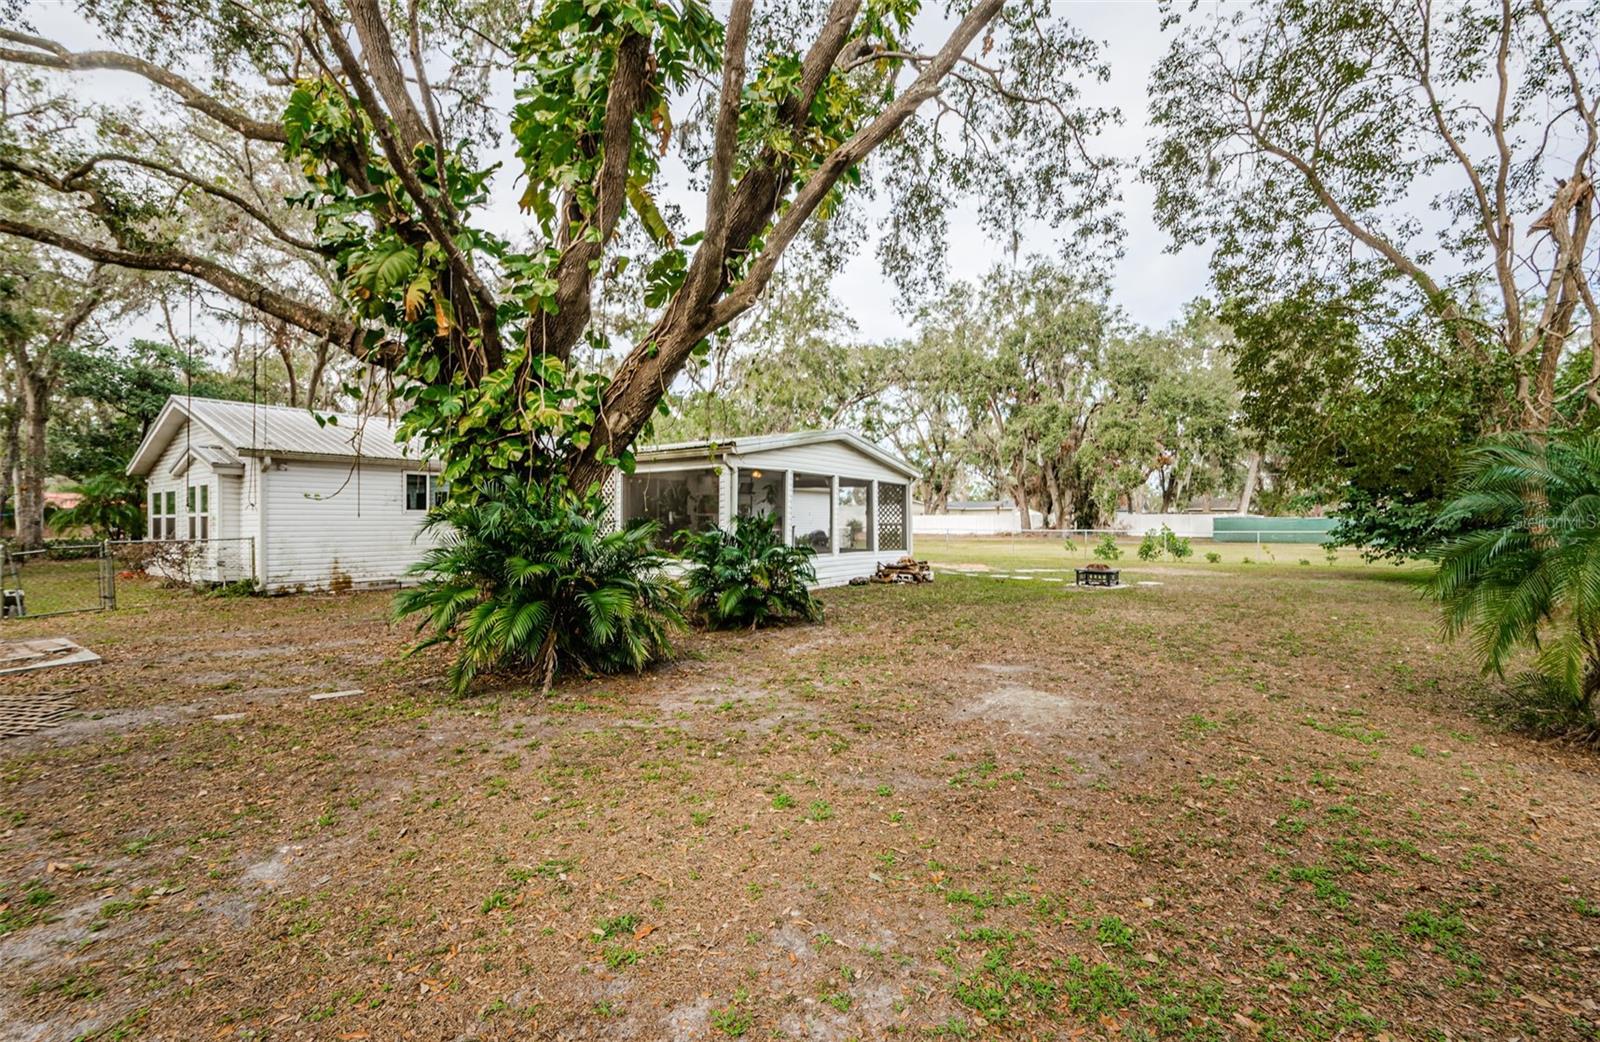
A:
[(1149, 284)]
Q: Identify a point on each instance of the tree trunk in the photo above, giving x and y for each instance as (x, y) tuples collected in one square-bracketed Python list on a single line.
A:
[(1252, 476), (10, 450), (31, 465), (1019, 494)]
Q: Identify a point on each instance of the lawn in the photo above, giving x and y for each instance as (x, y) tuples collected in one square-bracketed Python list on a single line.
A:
[(1254, 801)]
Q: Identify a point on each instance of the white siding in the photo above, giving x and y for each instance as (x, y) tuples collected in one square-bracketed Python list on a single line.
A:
[(329, 526)]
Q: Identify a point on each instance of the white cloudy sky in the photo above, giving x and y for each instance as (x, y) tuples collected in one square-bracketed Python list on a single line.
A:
[(1150, 284)]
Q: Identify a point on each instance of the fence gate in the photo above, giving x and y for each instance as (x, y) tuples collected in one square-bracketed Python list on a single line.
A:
[(63, 577)]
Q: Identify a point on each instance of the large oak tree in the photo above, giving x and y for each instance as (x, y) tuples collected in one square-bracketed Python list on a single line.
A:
[(389, 113)]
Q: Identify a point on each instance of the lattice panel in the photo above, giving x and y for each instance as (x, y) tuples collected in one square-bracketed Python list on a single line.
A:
[(610, 520), (23, 714), (891, 517)]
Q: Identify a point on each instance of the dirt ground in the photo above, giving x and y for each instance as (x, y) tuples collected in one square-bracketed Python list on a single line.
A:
[(1256, 801)]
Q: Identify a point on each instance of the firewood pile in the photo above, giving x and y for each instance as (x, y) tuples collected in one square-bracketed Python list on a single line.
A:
[(905, 570)]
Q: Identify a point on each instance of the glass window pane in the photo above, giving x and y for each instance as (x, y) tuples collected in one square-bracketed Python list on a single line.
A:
[(761, 495), (155, 515), (891, 516), (438, 490), (172, 502), (416, 491), (188, 500), (679, 501), (813, 512), (205, 499), (854, 515)]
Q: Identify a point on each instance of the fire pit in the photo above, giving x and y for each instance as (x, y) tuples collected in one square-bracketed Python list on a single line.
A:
[(1099, 575)]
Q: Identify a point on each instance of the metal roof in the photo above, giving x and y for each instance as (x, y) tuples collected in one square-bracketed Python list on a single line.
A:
[(745, 444), (246, 429)]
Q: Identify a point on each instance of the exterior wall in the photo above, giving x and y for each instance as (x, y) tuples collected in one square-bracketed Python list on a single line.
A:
[(973, 522), (1189, 526), (325, 526), (222, 556)]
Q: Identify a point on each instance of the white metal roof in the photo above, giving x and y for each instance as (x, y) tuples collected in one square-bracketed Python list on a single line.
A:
[(747, 444), (245, 429)]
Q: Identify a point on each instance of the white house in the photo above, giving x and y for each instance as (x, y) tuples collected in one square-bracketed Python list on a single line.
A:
[(280, 497), (269, 492), (974, 517)]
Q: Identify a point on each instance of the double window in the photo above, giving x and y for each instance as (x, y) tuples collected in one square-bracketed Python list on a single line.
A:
[(677, 501), (424, 491)]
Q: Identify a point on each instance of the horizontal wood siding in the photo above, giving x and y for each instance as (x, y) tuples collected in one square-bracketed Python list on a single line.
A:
[(326, 527)]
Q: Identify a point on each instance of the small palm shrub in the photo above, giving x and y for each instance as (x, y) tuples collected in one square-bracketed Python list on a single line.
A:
[(108, 506), (746, 576), (1526, 572), (524, 577), (1107, 549)]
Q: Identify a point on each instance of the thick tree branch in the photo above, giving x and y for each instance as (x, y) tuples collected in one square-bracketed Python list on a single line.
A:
[(48, 54), (298, 313)]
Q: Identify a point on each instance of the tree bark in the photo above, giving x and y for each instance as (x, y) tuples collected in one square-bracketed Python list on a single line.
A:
[(1252, 476), (10, 451), (32, 459)]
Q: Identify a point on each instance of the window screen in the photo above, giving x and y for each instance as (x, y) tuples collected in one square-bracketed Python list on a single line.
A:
[(761, 495), (813, 512), (679, 501), (854, 515)]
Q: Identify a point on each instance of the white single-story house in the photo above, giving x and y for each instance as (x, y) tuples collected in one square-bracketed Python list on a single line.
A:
[(272, 494), (283, 499)]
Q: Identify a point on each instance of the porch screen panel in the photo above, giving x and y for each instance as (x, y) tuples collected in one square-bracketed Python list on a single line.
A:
[(854, 515), (761, 494), (679, 501), (813, 512), (891, 516)]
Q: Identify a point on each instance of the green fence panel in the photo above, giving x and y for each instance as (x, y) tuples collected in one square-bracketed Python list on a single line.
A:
[(1251, 529)]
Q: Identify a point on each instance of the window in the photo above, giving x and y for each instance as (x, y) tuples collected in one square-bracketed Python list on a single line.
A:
[(424, 491), (761, 495), (155, 514), (813, 512), (199, 505), (891, 516), (854, 515), (679, 501), (169, 525)]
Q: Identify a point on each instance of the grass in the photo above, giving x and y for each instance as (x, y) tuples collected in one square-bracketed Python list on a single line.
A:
[(1252, 801)]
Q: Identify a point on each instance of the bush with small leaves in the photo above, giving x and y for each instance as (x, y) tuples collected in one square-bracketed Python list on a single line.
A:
[(1213, 557), (1107, 549)]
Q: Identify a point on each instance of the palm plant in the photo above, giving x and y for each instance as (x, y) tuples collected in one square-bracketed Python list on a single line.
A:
[(524, 577), (747, 576), (108, 505), (1526, 572)]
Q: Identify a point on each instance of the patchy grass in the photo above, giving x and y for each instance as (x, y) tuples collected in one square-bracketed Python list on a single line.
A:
[(1252, 801)]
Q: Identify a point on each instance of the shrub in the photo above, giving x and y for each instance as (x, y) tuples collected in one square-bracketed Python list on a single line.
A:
[(1177, 546), (108, 506), (1526, 573), (747, 577), (1213, 557), (1150, 547), (1107, 549), (526, 577)]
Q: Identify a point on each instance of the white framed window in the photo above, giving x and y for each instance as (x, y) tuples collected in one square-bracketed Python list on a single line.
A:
[(199, 506), (813, 512), (169, 520), (424, 491)]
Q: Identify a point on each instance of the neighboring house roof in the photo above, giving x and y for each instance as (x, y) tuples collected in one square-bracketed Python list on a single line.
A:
[(62, 500), (744, 445), (229, 430)]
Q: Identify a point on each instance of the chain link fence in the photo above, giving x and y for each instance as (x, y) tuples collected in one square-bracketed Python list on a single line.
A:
[(77, 577)]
